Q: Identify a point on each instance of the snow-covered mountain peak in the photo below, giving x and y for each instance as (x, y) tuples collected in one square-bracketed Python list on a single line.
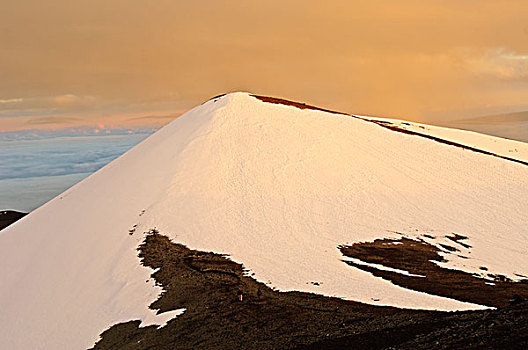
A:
[(279, 187)]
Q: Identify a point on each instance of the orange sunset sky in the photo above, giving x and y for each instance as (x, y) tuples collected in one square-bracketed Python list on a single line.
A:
[(111, 63)]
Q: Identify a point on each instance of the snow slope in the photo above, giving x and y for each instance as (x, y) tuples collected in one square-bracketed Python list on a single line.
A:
[(275, 187), (500, 146)]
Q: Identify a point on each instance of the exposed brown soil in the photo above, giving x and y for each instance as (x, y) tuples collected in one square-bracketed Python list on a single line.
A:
[(7, 217), (416, 257), (299, 105), (210, 286), (455, 237), (217, 96)]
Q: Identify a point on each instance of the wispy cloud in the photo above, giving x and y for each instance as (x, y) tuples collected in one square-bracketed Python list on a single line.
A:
[(51, 120), (44, 104), (500, 63), (70, 110), (11, 100), (157, 117)]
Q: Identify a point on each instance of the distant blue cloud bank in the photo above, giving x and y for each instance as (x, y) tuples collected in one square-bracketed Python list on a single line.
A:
[(36, 168)]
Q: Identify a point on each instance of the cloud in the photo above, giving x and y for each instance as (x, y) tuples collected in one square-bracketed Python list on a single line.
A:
[(11, 100), (70, 100), (500, 63), (46, 157), (51, 120), (45, 104), (157, 117)]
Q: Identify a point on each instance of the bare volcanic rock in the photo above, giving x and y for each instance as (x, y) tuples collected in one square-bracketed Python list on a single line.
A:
[(420, 259), (7, 217), (226, 309)]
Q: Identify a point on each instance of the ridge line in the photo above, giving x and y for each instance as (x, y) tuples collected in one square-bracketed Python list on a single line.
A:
[(384, 124)]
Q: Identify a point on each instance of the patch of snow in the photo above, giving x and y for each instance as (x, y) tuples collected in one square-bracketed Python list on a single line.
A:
[(380, 267), (161, 319)]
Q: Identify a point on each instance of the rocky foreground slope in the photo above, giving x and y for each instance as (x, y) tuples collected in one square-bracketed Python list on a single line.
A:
[(7, 217)]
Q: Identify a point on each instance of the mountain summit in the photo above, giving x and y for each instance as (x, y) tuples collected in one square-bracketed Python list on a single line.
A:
[(286, 190)]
